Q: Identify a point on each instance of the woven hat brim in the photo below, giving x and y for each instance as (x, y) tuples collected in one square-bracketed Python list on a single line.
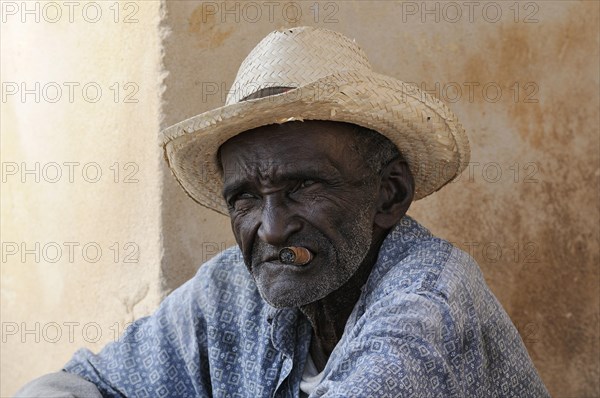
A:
[(426, 132)]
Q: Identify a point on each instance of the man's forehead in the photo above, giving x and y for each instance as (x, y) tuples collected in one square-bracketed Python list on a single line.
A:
[(298, 140), (266, 168)]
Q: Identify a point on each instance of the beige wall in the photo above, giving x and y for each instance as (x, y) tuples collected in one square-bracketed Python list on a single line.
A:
[(533, 228), (60, 301)]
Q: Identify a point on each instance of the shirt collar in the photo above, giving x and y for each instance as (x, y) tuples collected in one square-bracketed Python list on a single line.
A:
[(396, 245)]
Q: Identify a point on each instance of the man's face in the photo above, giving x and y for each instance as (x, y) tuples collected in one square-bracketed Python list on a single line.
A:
[(299, 184)]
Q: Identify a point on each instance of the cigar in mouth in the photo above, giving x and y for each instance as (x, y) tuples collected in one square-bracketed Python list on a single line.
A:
[(295, 255)]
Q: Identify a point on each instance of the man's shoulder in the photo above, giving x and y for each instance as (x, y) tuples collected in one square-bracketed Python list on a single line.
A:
[(218, 282), (412, 260), (225, 271), (228, 261)]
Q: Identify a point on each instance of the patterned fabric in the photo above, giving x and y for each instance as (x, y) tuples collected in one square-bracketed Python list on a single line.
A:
[(426, 325)]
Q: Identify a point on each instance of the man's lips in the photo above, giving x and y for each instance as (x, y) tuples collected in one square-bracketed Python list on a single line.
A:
[(270, 258), (276, 267)]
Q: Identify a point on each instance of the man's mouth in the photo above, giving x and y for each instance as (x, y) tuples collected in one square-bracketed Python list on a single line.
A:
[(296, 253), (296, 256)]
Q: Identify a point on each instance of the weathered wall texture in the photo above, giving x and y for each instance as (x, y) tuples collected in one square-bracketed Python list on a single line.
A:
[(55, 300), (524, 81), (522, 77)]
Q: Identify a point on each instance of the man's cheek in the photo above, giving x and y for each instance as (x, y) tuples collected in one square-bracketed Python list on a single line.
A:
[(235, 228), (320, 212), (243, 231)]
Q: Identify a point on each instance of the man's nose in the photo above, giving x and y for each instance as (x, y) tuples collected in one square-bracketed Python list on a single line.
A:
[(277, 223)]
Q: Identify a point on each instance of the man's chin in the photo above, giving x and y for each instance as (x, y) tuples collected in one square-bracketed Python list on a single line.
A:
[(279, 301), (297, 297)]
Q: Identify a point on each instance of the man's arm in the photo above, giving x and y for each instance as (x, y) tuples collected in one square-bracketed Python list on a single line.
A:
[(59, 385), (165, 350)]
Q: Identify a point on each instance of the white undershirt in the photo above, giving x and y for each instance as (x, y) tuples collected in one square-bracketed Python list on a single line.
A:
[(310, 378)]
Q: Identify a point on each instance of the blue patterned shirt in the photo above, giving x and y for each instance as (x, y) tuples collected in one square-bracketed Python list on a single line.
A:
[(425, 325)]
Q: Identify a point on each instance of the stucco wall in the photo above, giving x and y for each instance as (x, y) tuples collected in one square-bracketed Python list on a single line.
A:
[(97, 263), (523, 80), (527, 207)]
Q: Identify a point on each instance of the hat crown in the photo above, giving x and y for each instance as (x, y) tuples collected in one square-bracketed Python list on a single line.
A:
[(295, 57)]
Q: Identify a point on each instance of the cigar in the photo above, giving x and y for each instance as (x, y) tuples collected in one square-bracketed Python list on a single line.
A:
[(295, 255)]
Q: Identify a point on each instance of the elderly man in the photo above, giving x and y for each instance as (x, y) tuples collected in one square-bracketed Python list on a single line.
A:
[(332, 290)]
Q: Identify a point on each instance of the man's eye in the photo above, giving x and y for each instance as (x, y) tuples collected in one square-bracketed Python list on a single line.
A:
[(303, 184), (240, 199), (306, 183)]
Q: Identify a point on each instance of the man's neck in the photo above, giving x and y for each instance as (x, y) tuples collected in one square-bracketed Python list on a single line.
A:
[(329, 315)]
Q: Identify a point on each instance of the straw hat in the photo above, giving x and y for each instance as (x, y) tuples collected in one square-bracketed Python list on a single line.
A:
[(333, 80)]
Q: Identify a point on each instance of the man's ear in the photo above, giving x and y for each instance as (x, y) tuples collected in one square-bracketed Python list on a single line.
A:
[(396, 193)]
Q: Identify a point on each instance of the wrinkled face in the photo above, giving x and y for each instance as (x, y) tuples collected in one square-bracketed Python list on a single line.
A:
[(299, 184)]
